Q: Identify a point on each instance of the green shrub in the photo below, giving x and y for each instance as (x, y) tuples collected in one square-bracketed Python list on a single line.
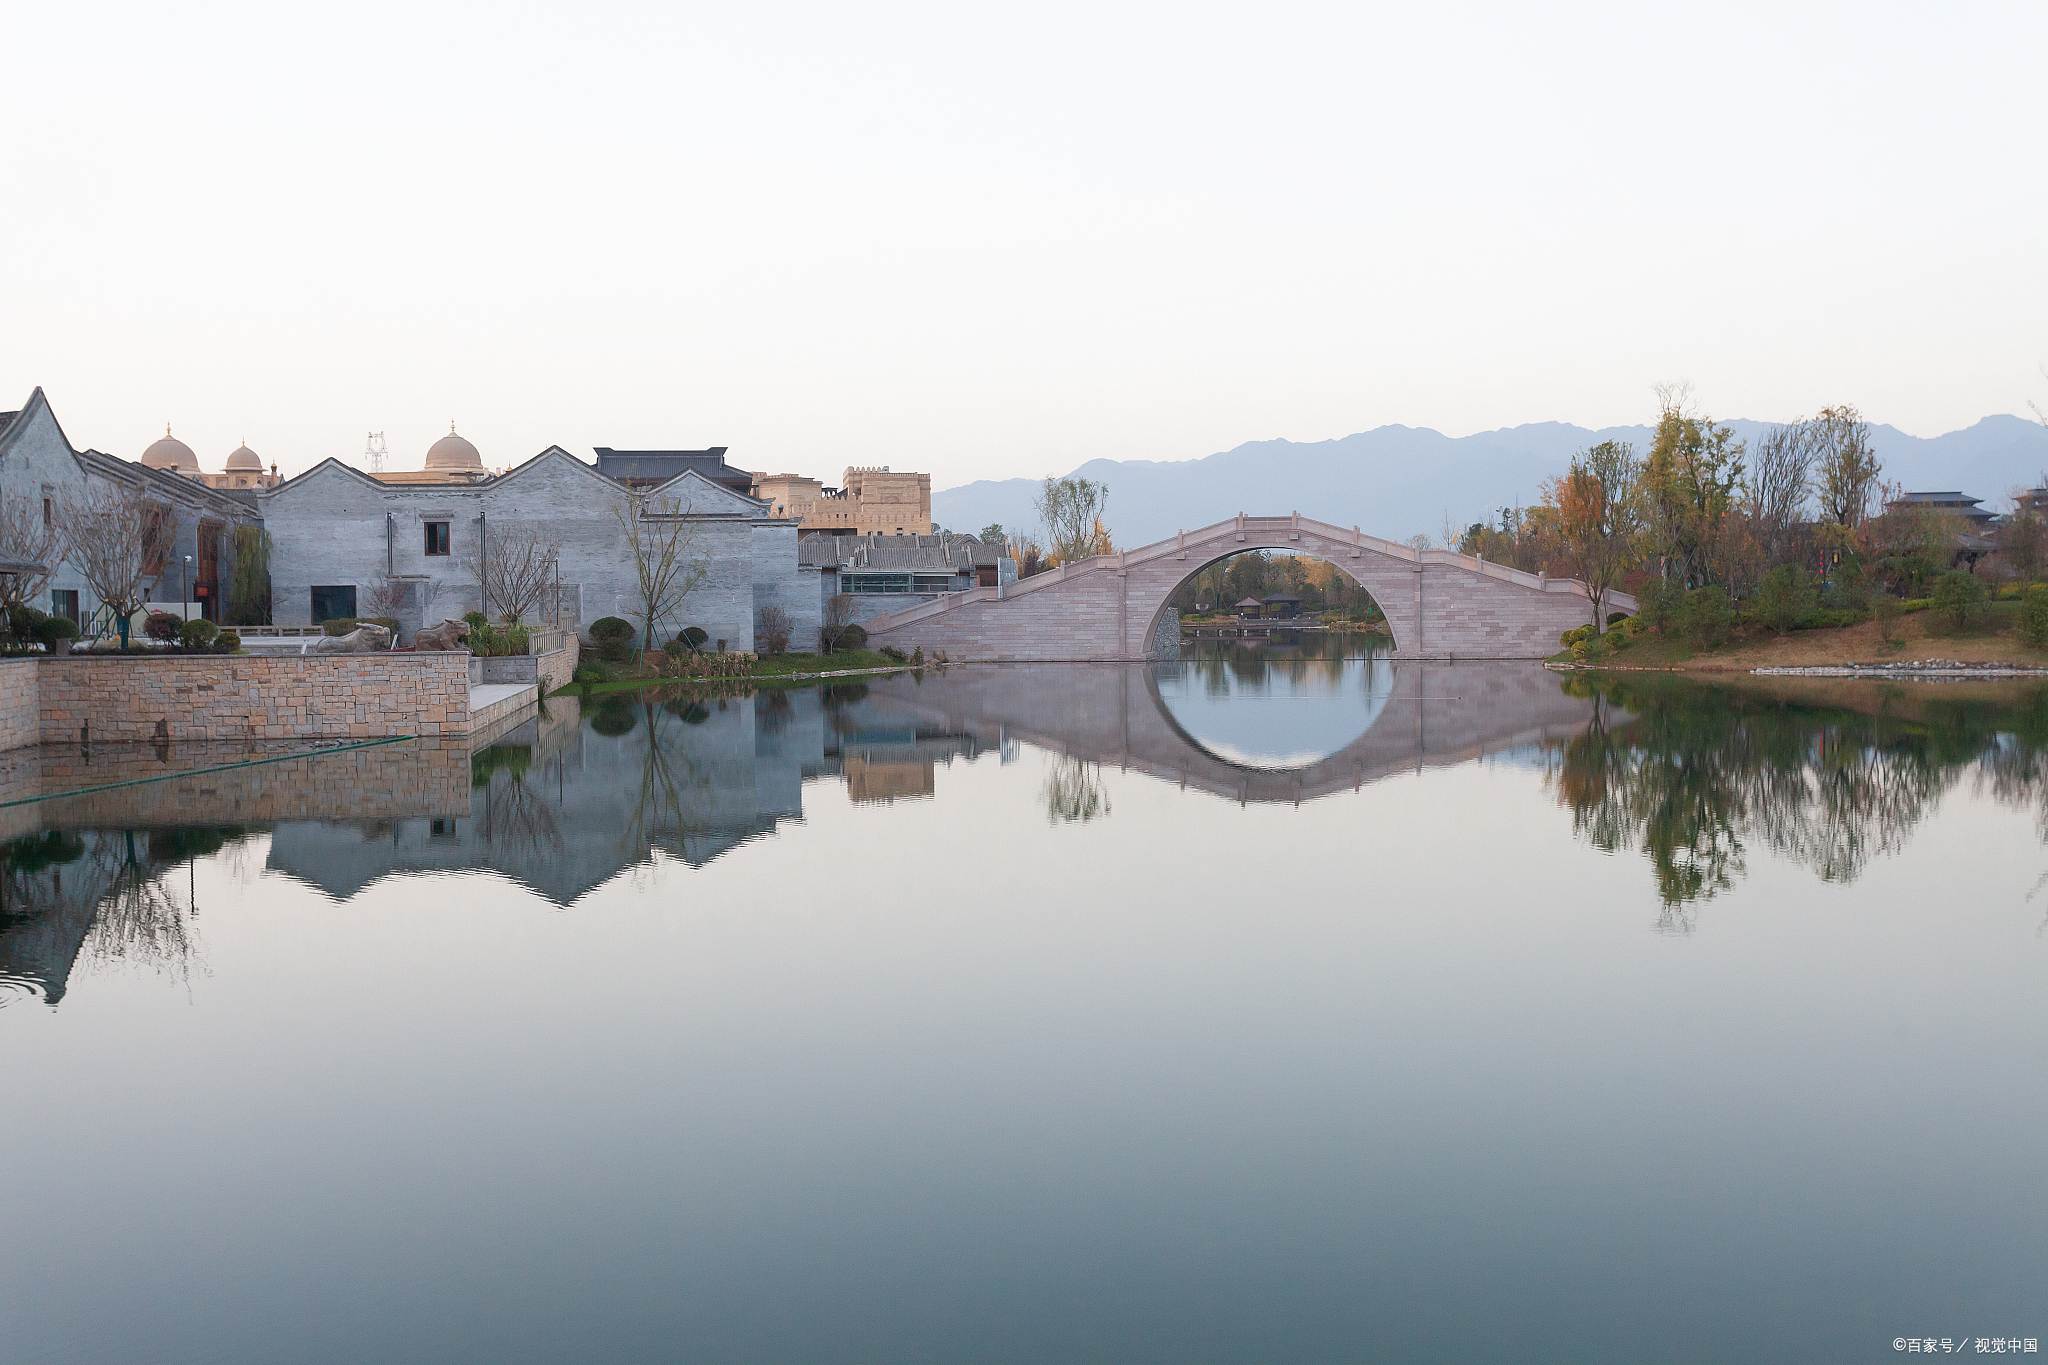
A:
[(893, 654), (2034, 616), (26, 623), (340, 625), (695, 636), (54, 628), (1784, 599), (1576, 636), (227, 642), (853, 637), (615, 715), (477, 620), (161, 625), (1657, 606), (197, 635), (389, 623), (587, 676), (606, 628), (1959, 595), (1705, 616)]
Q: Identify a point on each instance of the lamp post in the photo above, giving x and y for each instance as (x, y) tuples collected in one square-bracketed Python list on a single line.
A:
[(185, 602)]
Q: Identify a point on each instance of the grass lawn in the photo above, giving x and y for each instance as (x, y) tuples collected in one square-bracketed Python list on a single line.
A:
[(782, 667), (1916, 635)]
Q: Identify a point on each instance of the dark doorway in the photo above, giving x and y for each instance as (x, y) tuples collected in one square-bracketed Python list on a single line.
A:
[(333, 602), (206, 579)]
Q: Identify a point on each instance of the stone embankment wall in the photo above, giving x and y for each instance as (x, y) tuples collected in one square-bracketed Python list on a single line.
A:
[(558, 667), (20, 703), (422, 778), (244, 697)]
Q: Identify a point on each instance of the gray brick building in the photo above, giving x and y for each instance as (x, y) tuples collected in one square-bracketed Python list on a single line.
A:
[(193, 560), (339, 535)]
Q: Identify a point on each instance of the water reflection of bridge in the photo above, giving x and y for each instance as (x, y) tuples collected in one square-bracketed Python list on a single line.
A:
[(1436, 715), (566, 803)]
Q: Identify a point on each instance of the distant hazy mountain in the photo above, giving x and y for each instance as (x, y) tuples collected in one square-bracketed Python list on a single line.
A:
[(1396, 481)]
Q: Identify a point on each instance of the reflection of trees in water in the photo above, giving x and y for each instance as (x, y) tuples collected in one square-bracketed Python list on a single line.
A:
[(140, 924), (1074, 792), (671, 782), (103, 898), (1699, 775)]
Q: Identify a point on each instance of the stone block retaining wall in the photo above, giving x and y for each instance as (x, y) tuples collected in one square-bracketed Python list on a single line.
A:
[(558, 666), (20, 703), (244, 697)]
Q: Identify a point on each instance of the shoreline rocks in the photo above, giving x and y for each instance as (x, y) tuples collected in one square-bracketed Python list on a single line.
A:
[(1945, 669)]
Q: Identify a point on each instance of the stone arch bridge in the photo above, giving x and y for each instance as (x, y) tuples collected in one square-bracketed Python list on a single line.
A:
[(1438, 604)]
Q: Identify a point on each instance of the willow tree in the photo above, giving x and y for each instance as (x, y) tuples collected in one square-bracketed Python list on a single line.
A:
[(1689, 482), (1071, 509), (249, 589), (1845, 475)]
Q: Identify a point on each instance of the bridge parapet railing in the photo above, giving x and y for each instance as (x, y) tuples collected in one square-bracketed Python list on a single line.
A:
[(1294, 527)]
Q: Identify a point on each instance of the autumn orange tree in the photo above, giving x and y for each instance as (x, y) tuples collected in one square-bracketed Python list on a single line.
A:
[(1599, 517)]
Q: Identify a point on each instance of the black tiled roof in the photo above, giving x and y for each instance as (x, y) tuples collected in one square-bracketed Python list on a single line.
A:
[(659, 466)]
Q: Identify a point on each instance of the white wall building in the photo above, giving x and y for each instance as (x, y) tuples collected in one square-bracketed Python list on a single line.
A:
[(339, 535)]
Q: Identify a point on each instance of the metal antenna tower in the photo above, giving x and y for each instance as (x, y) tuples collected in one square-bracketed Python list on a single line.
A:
[(374, 453)]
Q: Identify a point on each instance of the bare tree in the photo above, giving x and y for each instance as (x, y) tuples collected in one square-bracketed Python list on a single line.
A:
[(515, 569), (1780, 482), (385, 597), (668, 563), (772, 628), (840, 610), (1072, 510), (114, 533), (30, 531)]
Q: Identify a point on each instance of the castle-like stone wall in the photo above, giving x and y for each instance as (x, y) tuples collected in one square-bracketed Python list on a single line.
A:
[(247, 697), (1438, 604)]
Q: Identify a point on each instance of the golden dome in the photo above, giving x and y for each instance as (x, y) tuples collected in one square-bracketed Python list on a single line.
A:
[(171, 453), (452, 452), (244, 458)]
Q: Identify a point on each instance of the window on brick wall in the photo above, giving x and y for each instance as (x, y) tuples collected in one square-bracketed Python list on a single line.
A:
[(437, 537), (333, 602)]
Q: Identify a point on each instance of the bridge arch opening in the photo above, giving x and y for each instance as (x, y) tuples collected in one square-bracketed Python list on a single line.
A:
[(1273, 710), (1221, 581)]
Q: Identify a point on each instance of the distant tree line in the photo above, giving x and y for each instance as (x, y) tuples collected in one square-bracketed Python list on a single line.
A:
[(1802, 523)]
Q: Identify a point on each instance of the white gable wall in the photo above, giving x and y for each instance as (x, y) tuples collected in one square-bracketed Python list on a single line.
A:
[(328, 528)]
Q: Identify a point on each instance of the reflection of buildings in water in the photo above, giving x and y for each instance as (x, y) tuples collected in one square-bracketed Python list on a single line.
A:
[(565, 804), (871, 779)]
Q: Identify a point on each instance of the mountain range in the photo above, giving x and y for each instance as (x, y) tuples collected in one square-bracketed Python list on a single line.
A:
[(1395, 481)]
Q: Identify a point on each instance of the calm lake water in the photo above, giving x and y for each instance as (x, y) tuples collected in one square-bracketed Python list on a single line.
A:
[(1261, 1006)]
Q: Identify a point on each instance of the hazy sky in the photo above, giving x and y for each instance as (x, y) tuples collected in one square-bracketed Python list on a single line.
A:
[(987, 241)]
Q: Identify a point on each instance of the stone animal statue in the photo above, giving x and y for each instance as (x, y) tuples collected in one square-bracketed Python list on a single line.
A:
[(362, 640), (446, 637)]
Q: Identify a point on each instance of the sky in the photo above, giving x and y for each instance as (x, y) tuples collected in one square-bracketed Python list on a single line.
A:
[(986, 241)]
